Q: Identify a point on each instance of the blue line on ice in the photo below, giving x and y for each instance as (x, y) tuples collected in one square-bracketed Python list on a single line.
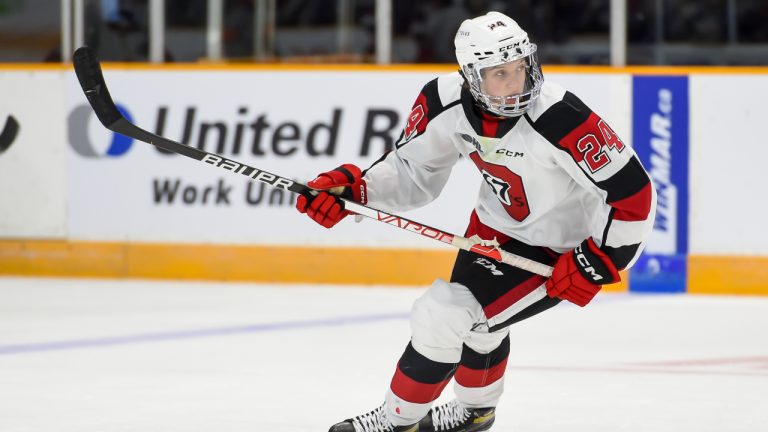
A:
[(198, 333)]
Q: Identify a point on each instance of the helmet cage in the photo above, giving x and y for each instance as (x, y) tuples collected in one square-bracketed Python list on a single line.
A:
[(510, 105)]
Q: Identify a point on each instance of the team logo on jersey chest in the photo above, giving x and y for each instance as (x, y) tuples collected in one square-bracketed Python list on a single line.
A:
[(506, 185), (499, 187)]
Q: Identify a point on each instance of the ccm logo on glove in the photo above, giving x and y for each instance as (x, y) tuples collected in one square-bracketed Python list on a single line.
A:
[(587, 269), (579, 274), (594, 264)]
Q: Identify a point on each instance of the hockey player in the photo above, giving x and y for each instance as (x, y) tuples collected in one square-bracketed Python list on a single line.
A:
[(560, 188)]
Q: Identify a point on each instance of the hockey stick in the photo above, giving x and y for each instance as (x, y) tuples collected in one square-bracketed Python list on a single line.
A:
[(91, 79), (8, 134)]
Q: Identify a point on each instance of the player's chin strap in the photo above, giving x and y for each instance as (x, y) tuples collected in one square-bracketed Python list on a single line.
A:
[(91, 79)]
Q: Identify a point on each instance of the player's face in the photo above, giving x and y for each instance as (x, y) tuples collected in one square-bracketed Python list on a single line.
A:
[(507, 79)]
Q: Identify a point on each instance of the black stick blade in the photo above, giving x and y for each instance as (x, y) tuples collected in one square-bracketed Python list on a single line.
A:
[(8, 133), (88, 71)]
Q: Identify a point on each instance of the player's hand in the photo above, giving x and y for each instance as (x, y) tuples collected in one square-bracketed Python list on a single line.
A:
[(579, 274), (326, 208)]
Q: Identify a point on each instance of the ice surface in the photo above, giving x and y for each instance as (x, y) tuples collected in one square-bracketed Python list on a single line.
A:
[(98, 355)]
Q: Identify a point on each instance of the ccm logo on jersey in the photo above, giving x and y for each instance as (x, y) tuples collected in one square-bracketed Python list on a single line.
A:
[(509, 153), (586, 265)]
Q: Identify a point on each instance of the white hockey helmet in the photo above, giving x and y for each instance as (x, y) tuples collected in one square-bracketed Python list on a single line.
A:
[(488, 42)]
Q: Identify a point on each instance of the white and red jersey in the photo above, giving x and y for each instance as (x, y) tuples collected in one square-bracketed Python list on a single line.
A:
[(553, 177)]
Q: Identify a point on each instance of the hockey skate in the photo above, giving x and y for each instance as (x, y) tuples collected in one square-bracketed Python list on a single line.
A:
[(374, 421), (454, 417)]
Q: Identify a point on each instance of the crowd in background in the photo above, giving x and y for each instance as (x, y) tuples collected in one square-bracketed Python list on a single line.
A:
[(568, 31)]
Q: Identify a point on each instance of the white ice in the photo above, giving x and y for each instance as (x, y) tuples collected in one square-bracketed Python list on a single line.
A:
[(106, 356)]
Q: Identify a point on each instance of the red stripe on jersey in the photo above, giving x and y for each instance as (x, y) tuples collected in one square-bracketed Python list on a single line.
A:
[(634, 207), (513, 296), (413, 391), (490, 125), (480, 377)]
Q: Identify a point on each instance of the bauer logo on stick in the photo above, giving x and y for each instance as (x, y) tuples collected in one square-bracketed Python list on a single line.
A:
[(248, 171)]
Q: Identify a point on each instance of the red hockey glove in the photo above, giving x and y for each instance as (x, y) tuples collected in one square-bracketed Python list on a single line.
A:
[(325, 208), (579, 274)]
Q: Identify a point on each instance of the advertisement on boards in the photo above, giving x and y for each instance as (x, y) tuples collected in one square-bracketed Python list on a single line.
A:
[(292, 123), (660, 137)]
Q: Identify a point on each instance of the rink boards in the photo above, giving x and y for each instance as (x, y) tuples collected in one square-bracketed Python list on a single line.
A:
[(81, 201)]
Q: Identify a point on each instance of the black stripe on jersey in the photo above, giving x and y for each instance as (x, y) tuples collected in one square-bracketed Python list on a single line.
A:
[(622, 255), (421, 369), (561, 119), (400, 139), (451, 105), (377, 161), (474, 360), (471, 112), (629, 180), (608, 225), (434, 104), (506, 125), (534, 309), (432, 95)]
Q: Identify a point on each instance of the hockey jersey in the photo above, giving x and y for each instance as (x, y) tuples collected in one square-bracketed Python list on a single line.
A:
[(553, 177)]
